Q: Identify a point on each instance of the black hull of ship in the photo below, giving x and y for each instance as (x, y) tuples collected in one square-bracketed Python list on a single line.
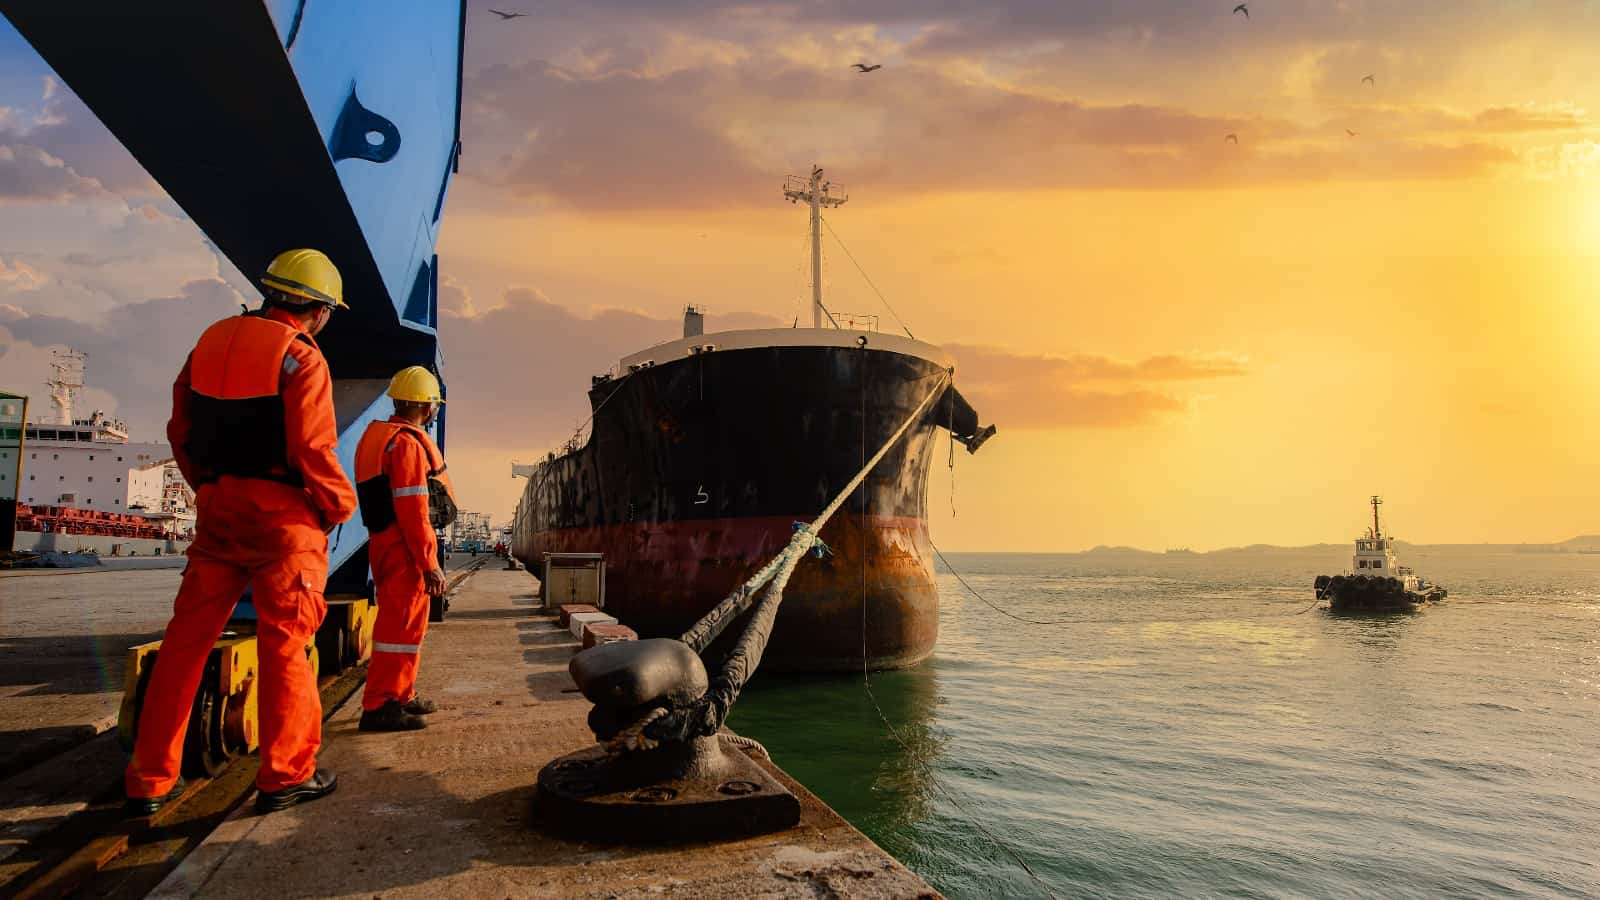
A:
[(1367, 594), (696, 471)]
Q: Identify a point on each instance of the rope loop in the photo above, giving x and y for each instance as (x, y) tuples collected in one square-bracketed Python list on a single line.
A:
[(633, 737)]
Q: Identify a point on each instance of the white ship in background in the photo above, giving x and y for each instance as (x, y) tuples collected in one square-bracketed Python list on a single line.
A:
[(84, 485)]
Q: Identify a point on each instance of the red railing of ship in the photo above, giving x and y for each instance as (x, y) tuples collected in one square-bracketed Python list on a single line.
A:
[(70, 520)]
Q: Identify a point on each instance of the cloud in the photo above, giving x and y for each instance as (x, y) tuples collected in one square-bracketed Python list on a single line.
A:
[(30, 175), (64, 128), (134, 352), (544, 352), (1568, 160), (455, 301), (19, 276), (518, 374), (1082, 390), (720, 134), (1524, 119), (93, 253)]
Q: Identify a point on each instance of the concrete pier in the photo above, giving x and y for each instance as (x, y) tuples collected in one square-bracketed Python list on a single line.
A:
[(445, 811), (64, 637)]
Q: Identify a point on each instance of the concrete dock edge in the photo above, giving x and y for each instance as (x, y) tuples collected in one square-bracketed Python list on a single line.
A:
[(445, 811)]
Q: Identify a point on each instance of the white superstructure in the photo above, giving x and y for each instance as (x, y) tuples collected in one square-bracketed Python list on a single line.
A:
[(1374, 555), (89, 463)]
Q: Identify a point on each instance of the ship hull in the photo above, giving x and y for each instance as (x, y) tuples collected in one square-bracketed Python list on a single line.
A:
[(696, 472), (1362, 593)]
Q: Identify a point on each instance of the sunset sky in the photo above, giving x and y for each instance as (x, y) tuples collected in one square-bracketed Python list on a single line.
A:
[(1184, 341)]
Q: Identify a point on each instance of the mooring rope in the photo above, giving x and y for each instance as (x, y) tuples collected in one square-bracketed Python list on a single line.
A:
[(779, 567), (739, 740), (886, 304), (633, 737), (706, 715)]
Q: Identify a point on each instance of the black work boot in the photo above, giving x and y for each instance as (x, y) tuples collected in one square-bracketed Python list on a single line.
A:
[(418, 706), (320, 784), (145, 807), (391, 716)]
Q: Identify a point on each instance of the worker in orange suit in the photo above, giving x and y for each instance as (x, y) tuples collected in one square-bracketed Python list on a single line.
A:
[(405, 496), (253, 429)]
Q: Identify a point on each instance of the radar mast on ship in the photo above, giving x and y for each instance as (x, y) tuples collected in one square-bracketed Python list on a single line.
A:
[(66, 380), (817, 194)]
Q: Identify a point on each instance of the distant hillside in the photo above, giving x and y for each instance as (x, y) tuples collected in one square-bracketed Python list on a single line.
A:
[(1583, 543), (1103, 549)]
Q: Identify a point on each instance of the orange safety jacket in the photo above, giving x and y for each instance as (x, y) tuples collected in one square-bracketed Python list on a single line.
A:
[(401, 480), (255, 400)]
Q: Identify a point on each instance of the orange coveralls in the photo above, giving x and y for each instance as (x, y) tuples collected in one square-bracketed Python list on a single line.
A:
[(253, 384), (400, 457)]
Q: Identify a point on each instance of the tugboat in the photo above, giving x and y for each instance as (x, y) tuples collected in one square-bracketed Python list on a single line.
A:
[(1376, 581)]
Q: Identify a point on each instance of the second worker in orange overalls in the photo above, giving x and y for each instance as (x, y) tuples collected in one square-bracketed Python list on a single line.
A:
[(405, 495)]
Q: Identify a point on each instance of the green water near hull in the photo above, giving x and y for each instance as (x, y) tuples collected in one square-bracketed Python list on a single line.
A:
[(1189, 731)]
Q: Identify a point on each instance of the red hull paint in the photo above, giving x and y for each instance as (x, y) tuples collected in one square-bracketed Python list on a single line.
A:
[(661, 577)]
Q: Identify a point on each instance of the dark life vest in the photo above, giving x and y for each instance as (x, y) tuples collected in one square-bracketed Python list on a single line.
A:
[(376, 493), (236, 406)]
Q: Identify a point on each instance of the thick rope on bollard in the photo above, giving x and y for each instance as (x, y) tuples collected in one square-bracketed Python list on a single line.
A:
[(662, 769), (706, 715)]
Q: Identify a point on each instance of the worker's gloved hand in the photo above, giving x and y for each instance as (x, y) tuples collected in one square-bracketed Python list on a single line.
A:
[(434, 582)]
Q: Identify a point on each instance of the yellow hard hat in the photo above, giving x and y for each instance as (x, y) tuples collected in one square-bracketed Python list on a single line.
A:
[(306, 273), (415, 385)]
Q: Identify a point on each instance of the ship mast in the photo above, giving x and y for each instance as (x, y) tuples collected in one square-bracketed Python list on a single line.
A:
[(66, 380), (815, 193), (1376, 502)]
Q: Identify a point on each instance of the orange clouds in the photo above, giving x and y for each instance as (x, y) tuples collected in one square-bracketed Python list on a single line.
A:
[(1081, 390), (717, 134)]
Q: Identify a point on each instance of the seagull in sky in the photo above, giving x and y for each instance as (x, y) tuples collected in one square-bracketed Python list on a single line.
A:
[(505, 16), (1370, 80), (1349, 132), (1231, 137), (1243, 8), (863, 68)]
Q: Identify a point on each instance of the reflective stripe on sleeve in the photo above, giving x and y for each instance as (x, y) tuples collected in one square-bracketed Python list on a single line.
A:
[(381, 647), (416, 490), (290, 365)]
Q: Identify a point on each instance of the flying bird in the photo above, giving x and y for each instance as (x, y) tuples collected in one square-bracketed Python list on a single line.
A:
[(1243, 8), (863, 68), (505, 16), (1349, 132), (1231, 137), (1370, 80)]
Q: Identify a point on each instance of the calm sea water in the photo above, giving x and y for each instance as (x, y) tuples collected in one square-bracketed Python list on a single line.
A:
[(1189, 732)]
